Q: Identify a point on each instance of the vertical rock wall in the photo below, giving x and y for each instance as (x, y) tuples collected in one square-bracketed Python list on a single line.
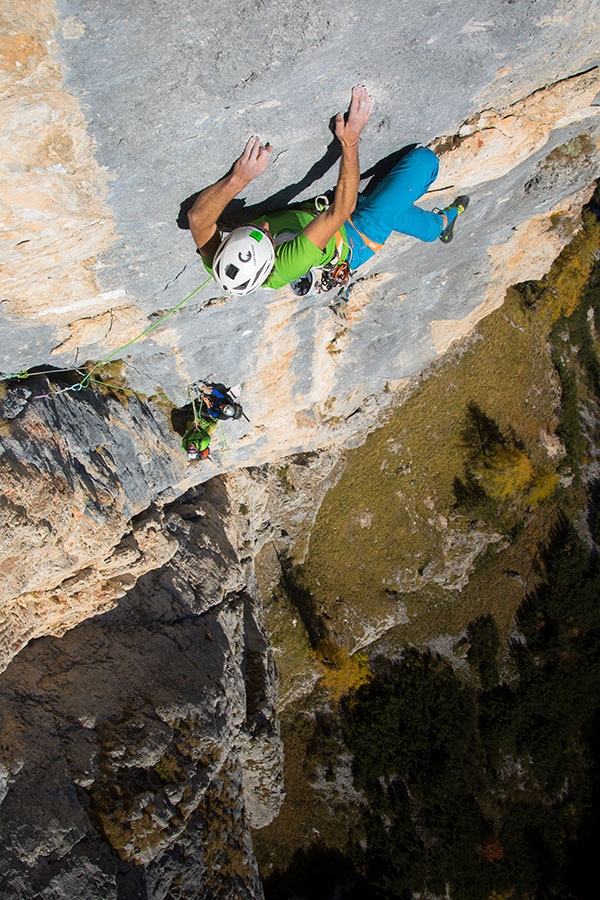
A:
[(169, 99), (137, 749)]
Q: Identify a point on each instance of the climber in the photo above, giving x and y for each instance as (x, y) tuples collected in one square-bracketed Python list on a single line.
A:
[(217, 402), (284, 246), (196, 440)]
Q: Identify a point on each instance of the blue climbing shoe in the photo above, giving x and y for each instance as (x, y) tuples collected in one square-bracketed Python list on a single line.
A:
[(452, 213)]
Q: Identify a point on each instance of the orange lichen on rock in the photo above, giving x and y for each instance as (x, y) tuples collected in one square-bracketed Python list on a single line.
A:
[(493, 142), (18, 50), (54, 218)]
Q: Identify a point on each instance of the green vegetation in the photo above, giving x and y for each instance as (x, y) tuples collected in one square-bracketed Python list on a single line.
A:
[(484, 644), (497, 470), (483, 778), (559, 293), (509, 769), (283, 473), (575, 350), (225, 853), (111, 375), (342, 672), (288, 621), (124, 798), (488, 790), (580, 145)]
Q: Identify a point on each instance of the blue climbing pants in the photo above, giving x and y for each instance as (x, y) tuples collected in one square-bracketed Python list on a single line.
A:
[(390, 207)]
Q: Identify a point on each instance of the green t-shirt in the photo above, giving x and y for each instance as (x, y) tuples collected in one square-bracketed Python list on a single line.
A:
[(295, 255)]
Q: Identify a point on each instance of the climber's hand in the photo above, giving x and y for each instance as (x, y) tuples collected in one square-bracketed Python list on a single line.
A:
[(348, 128), (253, 161)]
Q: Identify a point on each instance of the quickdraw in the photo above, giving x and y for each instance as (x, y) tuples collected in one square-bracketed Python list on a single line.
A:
[(319, 281), (335, 276)]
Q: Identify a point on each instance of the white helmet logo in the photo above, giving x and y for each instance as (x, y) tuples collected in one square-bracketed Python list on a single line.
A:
[(244, 259)]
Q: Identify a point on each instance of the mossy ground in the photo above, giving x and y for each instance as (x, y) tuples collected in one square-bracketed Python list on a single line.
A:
[(385, 517), (308, 817), (390, 515), (288, 637)]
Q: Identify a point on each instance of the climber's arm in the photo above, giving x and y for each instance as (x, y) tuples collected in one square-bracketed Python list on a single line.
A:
[(348, 132), (211, 202), (325, 225)]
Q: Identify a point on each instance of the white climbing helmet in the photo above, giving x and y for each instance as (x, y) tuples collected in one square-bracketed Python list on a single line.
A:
[(244, 259)]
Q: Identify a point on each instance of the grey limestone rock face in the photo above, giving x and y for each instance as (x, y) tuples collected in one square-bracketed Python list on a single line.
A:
[(80, 473), (139, 737), (167, 98), (138, 748)]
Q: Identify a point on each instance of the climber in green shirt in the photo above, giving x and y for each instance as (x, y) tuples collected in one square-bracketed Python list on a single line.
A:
[(196, 440), (284, 246)]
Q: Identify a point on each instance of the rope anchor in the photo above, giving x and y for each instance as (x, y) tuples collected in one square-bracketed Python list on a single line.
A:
[(86, 378)]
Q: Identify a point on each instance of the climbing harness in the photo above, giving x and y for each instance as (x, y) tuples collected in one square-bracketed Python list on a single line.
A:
[(335, 274), (372, 245), (322, 279)]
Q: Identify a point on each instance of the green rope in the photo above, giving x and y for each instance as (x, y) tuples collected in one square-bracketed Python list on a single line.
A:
[(224, 446), (87, 377), (194, 394), (194, 410), (143, 333)]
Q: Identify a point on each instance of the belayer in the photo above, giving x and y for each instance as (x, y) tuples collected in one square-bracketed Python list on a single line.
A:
[(196, 440), (283, 246), (217, 402)]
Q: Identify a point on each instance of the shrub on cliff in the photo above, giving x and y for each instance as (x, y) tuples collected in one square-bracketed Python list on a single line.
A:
[(341, 671)]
